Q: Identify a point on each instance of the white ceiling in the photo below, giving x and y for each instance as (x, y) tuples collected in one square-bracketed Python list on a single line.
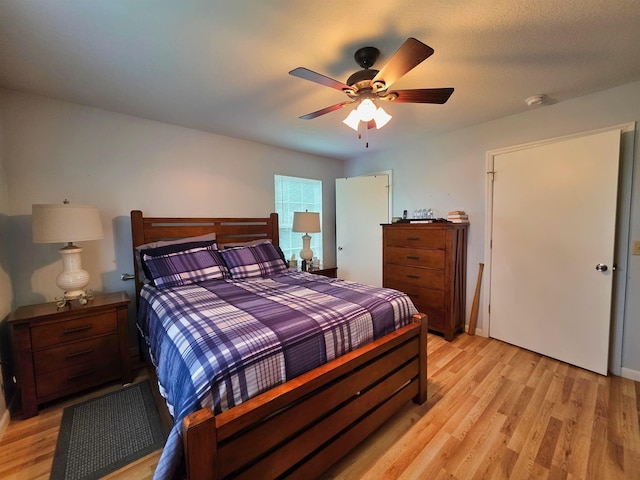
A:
[(222, 66)]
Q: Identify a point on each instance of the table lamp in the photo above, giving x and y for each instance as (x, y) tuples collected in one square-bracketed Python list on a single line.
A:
[(66, 223), (307, 222)]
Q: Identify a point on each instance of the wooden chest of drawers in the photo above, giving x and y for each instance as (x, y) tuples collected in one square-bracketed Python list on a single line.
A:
[(428, 262), (64, 350)]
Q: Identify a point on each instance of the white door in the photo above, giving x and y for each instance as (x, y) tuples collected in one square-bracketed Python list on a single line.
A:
[(362, 204), (553, 223)]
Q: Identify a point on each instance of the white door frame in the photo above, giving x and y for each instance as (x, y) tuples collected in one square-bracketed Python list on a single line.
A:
[(622, 240)]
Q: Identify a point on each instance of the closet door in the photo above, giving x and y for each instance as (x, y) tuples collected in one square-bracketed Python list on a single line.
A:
[(552, 247)]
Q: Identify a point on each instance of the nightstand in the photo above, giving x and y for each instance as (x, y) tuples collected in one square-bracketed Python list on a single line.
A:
[(68, 349), (331, 272)]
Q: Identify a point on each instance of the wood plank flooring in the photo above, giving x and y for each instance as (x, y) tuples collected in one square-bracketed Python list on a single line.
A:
[(494, 412)]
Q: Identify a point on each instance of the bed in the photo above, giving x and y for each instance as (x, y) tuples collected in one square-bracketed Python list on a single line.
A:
[(311, 419)]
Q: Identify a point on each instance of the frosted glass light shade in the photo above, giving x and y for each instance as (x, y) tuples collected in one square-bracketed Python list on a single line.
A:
[(381, 118), (366, 112), (352, 120)]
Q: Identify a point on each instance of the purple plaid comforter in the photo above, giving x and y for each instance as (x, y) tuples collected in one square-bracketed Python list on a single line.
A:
[(218, 343)]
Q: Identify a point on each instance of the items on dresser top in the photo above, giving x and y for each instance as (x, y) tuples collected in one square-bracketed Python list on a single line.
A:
[(63, 350), (428, 262)]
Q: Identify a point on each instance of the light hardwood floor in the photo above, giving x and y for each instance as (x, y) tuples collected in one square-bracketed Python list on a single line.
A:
[(494, 411)]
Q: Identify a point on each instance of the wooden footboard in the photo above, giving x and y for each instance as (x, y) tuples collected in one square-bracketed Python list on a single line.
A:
[(302, 427)]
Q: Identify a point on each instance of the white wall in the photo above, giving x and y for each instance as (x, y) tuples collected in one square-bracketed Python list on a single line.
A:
[(448, 172), (56, 150), (6, 292)]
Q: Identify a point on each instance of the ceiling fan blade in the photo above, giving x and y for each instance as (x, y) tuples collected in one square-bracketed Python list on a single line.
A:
[(409, 55), (332, 108), (312, 76), (420, 95)]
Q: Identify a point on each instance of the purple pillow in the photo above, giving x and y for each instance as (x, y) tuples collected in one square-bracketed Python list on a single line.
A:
[(261, 260), (163, 247), (185, 267)]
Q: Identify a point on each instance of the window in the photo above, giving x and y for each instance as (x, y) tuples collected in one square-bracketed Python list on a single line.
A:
[(295, 194)]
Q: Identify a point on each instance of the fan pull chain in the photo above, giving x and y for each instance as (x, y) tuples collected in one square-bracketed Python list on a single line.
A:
[(365, 127)]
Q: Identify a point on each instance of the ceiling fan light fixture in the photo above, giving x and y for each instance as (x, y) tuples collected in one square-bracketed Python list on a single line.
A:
[(366, 86), (352, 120)]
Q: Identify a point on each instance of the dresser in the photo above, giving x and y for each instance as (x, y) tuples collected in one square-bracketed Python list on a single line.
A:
[(428, 261), (64, 350)]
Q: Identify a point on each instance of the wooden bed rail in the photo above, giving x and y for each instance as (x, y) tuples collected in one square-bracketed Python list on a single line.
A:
[(302, 427)]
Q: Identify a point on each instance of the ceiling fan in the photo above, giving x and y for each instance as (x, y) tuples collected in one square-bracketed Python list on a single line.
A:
[(367, 86)]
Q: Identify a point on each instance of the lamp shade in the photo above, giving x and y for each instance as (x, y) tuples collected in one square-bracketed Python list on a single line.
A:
[(65, 223), (307, 222)]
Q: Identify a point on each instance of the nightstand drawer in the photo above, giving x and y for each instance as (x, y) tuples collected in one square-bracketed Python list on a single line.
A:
[(418, 257), (421, 277), (77, 377), (87, 351), (414, 238), (76, 329)]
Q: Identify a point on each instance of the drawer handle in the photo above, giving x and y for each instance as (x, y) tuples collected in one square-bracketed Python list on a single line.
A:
[(413, 238), (80, 375), (81, 352), (69, 331), (412, 276), (413, 257)]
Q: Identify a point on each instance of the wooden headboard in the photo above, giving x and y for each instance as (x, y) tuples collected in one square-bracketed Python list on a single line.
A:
[(227, 230)]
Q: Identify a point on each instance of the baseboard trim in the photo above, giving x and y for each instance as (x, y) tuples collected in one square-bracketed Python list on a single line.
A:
[(630, 374), (4, 422), (478, 332)]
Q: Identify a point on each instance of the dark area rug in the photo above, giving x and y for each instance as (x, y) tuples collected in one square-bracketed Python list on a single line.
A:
[(106, 433)]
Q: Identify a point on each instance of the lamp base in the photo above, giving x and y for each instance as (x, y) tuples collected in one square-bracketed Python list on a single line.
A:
[(73, 278), (306, 254), (84, 297)]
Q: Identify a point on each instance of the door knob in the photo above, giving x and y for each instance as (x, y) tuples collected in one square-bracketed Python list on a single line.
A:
[(601, 267)]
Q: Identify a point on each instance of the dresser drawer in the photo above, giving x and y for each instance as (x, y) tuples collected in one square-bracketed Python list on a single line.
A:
[(74, 329), (77, 377), (418, 257), (414, 238), (419, 295), (86, 351), (414, 276)]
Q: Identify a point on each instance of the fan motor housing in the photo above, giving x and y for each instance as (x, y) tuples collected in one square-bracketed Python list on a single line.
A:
[(361, 80)]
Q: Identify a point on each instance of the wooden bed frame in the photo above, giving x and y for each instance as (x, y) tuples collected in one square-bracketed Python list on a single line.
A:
[(302, 427)]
